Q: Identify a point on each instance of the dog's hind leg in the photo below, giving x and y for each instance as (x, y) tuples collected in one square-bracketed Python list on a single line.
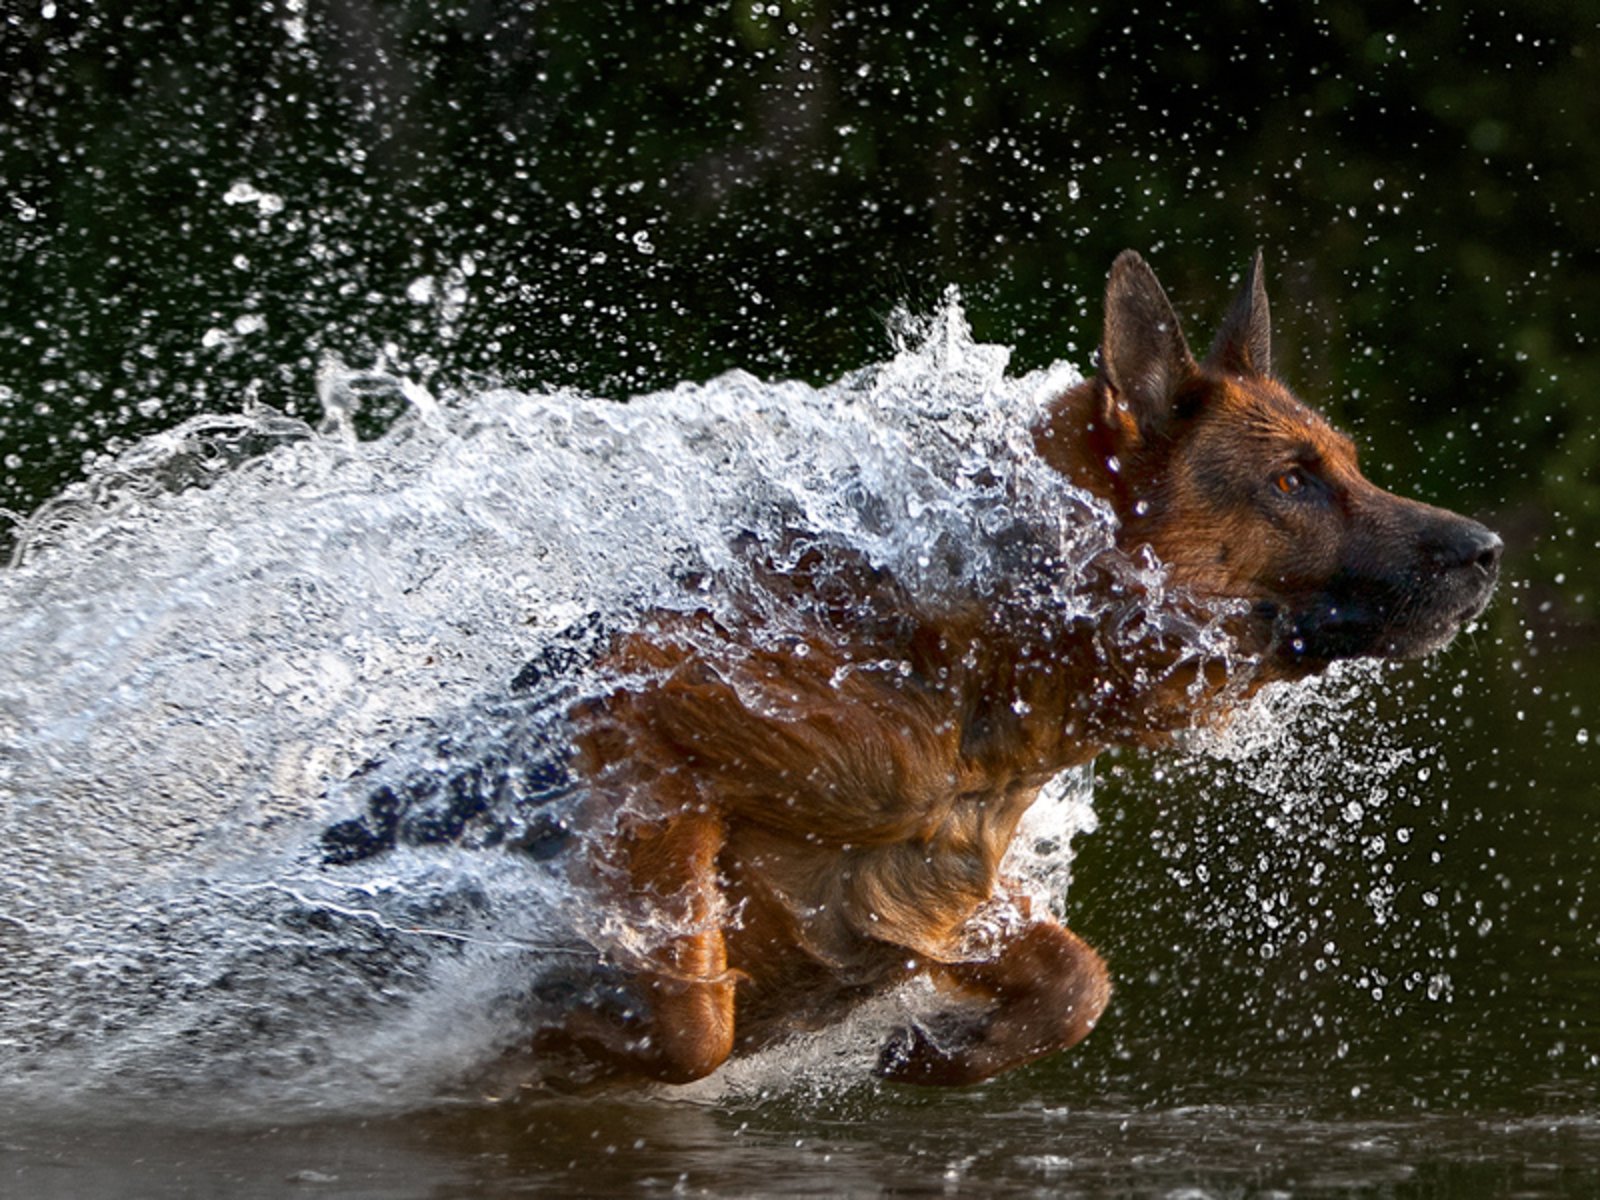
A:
[(1044, 990)]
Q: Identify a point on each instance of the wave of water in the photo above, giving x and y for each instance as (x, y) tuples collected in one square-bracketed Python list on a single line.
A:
[(210, 649)]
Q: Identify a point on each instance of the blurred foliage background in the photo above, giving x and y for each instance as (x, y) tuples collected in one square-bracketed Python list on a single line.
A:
[(199, 200)]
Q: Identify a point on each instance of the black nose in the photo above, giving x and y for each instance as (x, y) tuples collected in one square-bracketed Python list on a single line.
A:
[(1474, 546)]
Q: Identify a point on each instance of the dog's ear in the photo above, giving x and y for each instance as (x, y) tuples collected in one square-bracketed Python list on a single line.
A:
[(1244, 343), (1143, 356)]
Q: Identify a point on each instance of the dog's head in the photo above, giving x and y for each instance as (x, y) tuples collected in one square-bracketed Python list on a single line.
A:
[(1246, 493)]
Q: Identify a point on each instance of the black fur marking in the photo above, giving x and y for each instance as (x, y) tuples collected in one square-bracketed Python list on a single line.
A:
[(489, 800), (574, 647), (495, 783)]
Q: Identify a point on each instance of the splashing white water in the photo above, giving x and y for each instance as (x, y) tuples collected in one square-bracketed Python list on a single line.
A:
[(210, 649), (1309, 801)]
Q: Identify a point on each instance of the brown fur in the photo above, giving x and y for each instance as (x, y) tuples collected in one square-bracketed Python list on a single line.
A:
[(815, 826)]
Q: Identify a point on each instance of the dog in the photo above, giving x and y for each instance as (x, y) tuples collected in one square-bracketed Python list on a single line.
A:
[(807, 809)]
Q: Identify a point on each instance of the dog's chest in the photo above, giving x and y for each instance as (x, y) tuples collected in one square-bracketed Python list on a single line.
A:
[(844, 902)]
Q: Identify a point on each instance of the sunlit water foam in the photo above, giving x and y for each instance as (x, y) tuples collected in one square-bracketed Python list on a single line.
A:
[(206, 648)]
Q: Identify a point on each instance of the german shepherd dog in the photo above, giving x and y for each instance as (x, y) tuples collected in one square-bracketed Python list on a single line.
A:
[(810, 834)]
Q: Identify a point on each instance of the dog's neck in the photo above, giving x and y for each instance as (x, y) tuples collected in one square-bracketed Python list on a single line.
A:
[(1057, 691), (1033, 685), (1036, 698)]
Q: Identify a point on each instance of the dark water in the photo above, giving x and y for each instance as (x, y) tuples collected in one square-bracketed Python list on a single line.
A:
[(986, 1143)]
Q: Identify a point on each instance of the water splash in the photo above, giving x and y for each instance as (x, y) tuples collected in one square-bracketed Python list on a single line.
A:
[(1310, 803), (230, 633)]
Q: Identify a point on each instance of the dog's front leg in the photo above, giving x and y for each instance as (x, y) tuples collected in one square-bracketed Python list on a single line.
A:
[(1042, 991), (687, 984), (682, 984)]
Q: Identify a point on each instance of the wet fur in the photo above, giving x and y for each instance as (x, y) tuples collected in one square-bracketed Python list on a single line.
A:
[(814, 826)]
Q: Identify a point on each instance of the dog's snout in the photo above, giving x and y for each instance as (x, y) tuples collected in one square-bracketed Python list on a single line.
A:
[(1463, 544)]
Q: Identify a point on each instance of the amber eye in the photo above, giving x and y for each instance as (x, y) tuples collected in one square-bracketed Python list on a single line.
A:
[(1290, 482)]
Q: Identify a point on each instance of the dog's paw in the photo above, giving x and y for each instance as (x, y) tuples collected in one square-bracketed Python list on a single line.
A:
[(897, 1053), (917, 1055)]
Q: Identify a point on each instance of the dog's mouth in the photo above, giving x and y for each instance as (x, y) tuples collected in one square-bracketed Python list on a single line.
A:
[(1423, 640), (1400, 624)]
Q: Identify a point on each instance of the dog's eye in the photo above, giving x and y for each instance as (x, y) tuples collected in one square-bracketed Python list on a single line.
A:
[(1290, 482)]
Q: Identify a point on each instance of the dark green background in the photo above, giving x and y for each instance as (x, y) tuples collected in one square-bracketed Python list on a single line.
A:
[(623, 196)]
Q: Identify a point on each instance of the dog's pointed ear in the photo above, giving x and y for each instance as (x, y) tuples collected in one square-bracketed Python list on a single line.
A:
[(1244, 343), (1143, 356)]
